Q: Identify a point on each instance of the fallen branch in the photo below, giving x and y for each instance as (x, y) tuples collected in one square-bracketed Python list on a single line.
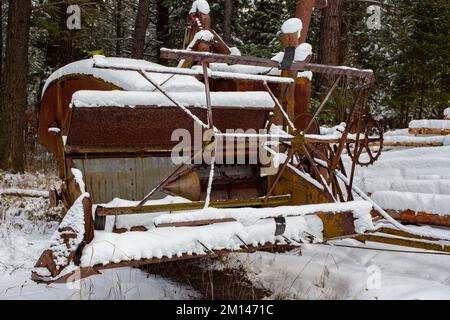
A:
[(16, 192)]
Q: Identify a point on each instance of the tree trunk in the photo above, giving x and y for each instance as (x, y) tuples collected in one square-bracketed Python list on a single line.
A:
[(228, 11), (330, 37), (140, 29), (162, 27), (1, 45), (119, 28), (14, 91)]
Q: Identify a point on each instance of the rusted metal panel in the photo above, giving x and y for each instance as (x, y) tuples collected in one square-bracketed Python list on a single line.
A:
[(60, 94), (125, 178), (150, 126), (336, 225)]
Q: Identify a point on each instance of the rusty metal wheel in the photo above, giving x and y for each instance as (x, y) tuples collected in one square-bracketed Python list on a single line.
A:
[(371, 144)]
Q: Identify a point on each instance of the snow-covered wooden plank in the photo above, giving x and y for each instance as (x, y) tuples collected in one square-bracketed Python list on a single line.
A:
[(255, 61), (24, 192)]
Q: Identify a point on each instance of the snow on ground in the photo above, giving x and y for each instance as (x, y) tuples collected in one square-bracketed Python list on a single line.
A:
[(332, 272), (412, 179), (320, 272), (26, 227), (412, 164)]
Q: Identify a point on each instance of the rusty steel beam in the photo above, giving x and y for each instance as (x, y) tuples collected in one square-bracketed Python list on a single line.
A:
[(196, 223), (192, 72), (85, 272), (403, 242), (399, 233), (276, 200), (176, 54), (335, 224), (414, 217)]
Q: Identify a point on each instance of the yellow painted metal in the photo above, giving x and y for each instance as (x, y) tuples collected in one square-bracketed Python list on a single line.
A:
[(272, 201), (302, 191), (403, 242)]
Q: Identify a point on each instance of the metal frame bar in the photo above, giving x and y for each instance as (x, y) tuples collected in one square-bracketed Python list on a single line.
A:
[(176, 54), (193, 72), (101, 211)]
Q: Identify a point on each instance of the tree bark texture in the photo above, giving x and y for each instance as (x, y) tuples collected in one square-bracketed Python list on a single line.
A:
[(14, 90), (140, 29)]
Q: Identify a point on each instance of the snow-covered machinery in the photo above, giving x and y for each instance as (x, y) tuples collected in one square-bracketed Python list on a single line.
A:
[(258, 173)]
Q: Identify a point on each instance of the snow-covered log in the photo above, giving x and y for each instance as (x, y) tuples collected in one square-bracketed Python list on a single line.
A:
[(429, 127), (17, 192)]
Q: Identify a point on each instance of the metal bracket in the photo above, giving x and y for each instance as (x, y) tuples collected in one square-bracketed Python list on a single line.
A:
[(280, 223)]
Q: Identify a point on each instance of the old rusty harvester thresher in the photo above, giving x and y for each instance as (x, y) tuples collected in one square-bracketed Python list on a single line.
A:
[(110, 124)]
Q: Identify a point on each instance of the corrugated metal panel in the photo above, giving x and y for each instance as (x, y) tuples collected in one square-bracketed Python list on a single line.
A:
[(125, 178)]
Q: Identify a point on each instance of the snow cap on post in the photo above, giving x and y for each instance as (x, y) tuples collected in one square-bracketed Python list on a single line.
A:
[(447, 113), (293, 25), (200, 6), (204, 35)]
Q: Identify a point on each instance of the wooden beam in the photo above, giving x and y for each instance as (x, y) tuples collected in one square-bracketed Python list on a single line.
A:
[(176, 54)]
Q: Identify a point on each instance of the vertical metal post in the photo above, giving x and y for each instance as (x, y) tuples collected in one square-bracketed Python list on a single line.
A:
[(208, 95)]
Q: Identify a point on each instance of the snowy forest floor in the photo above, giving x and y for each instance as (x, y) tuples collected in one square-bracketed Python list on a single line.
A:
[(333, 271)]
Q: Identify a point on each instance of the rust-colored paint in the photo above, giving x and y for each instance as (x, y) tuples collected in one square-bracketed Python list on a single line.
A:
[(55, 103), (403, 242), (88, 220), (336, 225), (302, 95), (237, 85), (304, 12), (150, 126), (414, 217)]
